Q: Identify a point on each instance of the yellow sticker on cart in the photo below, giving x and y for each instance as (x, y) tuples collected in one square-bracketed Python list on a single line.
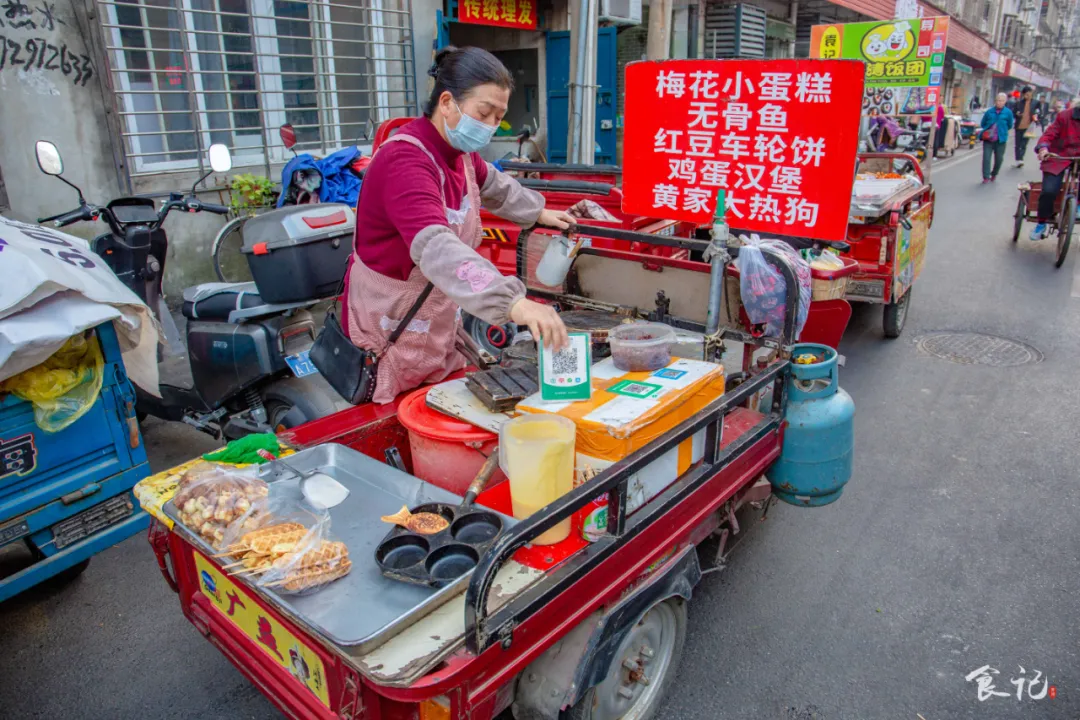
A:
[(279, 644), (911, 249)]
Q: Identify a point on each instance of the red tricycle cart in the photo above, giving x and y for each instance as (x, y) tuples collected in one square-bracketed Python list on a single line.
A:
[(891, 215), (591, 627)]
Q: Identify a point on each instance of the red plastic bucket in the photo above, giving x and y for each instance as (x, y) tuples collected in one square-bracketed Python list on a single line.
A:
[(445, 451)]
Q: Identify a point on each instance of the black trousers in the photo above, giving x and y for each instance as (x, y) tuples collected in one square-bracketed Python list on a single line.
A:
[(1051, 186), (1021, 144)]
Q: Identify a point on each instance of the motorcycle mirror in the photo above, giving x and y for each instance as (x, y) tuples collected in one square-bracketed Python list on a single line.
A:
[(48, 158), (288, 135), (220, 158)]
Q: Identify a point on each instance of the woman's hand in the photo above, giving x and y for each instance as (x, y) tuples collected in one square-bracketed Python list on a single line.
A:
[(542, 321), (1043, 154), (557, 219)]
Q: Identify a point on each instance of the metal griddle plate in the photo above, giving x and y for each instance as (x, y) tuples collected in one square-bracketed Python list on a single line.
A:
[(362, 610), (592, 321)]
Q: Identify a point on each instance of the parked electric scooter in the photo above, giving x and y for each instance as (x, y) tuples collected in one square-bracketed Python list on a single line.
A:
[(247, 356)]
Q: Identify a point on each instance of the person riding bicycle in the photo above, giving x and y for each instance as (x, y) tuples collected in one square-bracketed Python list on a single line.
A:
[(1062, 138)]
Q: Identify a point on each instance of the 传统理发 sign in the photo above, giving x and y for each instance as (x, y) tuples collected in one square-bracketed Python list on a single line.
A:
[(519, 14)]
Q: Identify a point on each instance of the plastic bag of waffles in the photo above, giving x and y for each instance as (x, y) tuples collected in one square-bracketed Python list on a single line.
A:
[(285, 545), (211, 498)]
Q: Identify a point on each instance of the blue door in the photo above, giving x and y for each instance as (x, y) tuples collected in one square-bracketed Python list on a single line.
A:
[(558, 94)]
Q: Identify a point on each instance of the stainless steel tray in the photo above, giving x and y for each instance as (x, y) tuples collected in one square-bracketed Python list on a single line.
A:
[(363, 609)]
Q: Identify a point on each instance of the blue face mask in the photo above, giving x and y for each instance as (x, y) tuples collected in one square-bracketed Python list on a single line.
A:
[(470, 135)]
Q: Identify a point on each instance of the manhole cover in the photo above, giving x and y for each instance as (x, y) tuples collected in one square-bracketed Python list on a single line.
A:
[(979, 349)]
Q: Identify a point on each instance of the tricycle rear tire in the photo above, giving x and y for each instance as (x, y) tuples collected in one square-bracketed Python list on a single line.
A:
[(293, 401), (1065, 230), (669, 619), (492, 339), (1021, 213), (895, 316)]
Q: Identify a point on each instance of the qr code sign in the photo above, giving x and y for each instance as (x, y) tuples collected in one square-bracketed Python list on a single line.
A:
[(565, 362), (635, 389)]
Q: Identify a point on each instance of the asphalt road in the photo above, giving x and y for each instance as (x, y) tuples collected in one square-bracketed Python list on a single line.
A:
[(954, 546)]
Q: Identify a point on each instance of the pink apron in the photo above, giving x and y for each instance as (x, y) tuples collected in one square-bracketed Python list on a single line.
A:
[(425, 352)]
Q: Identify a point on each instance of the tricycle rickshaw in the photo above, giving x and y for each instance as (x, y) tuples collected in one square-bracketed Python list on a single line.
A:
[(1027, 208), (590, 627), (892, 210)]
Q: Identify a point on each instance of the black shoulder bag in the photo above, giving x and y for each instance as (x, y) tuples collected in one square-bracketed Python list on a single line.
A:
[(349, 369)]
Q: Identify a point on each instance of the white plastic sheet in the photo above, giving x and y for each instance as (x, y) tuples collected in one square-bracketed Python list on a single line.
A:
[(53, 287)]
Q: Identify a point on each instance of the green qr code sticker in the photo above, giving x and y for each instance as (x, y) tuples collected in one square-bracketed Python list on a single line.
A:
[(631, 388)]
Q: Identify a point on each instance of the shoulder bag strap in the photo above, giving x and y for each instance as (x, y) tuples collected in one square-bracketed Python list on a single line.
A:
[(410, 315)]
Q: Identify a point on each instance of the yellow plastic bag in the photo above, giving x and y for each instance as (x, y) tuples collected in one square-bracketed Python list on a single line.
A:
[(64, 387)]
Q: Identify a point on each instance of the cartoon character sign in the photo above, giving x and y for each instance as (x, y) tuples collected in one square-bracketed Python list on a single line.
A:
[(889, 41)]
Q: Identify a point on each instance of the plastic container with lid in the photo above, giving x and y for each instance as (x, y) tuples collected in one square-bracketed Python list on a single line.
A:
[(299, 253), (641, 347), (445, 451), (537, 454)]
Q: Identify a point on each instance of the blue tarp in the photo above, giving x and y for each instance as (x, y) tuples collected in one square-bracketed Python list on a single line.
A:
[(339, 182)]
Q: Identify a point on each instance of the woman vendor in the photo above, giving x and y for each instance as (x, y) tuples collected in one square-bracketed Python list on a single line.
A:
[(418, 220)]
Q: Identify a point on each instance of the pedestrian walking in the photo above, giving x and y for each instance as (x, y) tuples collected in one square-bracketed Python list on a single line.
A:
[(939, 129), (996, 123), (1026, 111)]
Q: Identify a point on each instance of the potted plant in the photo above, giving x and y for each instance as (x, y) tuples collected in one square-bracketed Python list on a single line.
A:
[(250, 193)]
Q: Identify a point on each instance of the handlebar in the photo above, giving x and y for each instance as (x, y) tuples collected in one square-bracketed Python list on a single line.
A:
[(84, 213), (192, 204), (50, 218)]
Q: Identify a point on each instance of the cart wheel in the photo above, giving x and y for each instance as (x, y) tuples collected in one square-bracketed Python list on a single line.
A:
[(293, 401), (1065, 230), (641, 670), (1021, 213), (492, 339), (896, 316), (65, 576)]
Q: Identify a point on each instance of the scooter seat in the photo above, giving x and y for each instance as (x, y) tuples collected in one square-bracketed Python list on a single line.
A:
[(214, 301)]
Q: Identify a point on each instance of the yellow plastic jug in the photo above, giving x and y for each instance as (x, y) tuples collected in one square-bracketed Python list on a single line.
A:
[(537, 454)]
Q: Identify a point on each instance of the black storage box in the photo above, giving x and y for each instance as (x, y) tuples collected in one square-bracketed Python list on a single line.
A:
[(300, 252)]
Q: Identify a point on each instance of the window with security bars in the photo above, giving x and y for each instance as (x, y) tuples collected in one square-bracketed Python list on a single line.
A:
[(190, 73)]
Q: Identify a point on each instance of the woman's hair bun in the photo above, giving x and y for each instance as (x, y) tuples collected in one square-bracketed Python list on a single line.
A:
[(440, 56), (459, 70)]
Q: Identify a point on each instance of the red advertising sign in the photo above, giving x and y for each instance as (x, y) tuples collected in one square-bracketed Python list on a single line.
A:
[(520, 14), (779, 137)]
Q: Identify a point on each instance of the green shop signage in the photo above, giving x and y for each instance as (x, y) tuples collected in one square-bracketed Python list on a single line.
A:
[(897, 53)]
